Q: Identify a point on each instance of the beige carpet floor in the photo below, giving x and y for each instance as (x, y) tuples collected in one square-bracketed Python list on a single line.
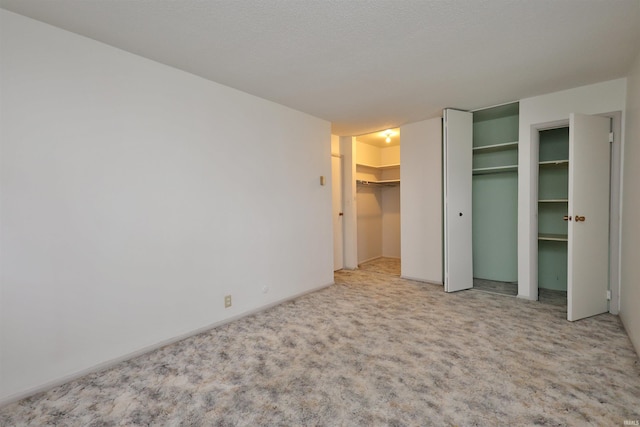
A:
[(545, 296), (388, 266), (503, 288), (372, 350)]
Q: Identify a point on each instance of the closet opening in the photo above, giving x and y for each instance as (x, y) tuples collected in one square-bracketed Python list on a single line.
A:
[(377, 162), (553, 207), (495, 199), (577, 198)]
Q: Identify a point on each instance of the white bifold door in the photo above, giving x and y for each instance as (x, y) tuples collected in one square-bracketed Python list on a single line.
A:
[(588, 215), (457, 153), (588, 210)]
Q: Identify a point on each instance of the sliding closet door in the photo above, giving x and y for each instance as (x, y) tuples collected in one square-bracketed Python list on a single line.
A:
[(588, 238), (457, 165)]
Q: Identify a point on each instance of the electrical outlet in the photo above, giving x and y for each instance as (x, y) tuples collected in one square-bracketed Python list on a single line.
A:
[(227, 301)]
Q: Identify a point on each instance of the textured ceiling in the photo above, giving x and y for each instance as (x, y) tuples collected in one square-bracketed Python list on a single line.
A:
[(368, 65)]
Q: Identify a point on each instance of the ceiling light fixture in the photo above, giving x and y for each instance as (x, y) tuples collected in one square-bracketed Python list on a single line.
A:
[(388, 133)]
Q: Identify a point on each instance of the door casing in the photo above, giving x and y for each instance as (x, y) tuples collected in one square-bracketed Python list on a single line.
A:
[(337, 211)]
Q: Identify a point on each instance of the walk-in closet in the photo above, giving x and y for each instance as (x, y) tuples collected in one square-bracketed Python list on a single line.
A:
[(378, 195)]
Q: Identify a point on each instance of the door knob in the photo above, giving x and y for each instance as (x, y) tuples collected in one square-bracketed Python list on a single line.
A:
[(579, 218), (341, 213), (568, 218)]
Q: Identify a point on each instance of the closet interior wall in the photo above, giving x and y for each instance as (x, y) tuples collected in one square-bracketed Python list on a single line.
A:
[(378, 201), (495, 193)]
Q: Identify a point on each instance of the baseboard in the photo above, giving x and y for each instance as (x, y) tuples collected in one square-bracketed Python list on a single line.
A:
[(370, 259), (112, 362), (526, 298), (378, 257), (429, 281)]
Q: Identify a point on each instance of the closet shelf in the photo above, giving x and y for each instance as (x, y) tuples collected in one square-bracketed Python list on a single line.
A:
[(553, 201), (381, 183), (553, 237), (496, 147), (381, 167), (495, 169), (551, 163)]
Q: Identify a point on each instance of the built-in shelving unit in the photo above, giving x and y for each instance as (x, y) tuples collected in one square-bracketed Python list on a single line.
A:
[(378, 175), (495, 169), (553, 206), (551, 163), (490, 157), (496, 147), (553, 237), (384, 182), (495, 193), (381, 167), (553, 201)]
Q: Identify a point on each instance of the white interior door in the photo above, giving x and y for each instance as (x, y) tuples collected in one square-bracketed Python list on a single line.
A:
[(338, 233), (457, 164), (588, 246)]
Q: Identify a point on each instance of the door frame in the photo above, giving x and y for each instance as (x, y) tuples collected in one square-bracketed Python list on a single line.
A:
[(350, 208), (615, 200), (338, 226)]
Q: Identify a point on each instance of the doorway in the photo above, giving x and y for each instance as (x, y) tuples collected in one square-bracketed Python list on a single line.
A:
[(578, 205), (371, 199)]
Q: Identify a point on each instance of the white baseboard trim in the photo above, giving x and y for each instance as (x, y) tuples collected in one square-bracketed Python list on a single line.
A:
[(370, 259), (429, 281), (12, 398), (526, 298)]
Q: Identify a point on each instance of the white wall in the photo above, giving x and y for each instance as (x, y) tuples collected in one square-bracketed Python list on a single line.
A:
[(630, 272), (598, 98), (369, 204), (335, 145), (368, 154), (390, 155), (421, 200), (134, 197), (390, 203), (391, 222), (369, 200)]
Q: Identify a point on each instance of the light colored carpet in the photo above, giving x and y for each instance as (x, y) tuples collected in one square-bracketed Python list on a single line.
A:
[(389, 266), (371, 350), (545, 296), (503, 288)]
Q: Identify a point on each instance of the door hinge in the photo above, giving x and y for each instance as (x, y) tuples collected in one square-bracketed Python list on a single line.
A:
[(611, 137), (608, 295)]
